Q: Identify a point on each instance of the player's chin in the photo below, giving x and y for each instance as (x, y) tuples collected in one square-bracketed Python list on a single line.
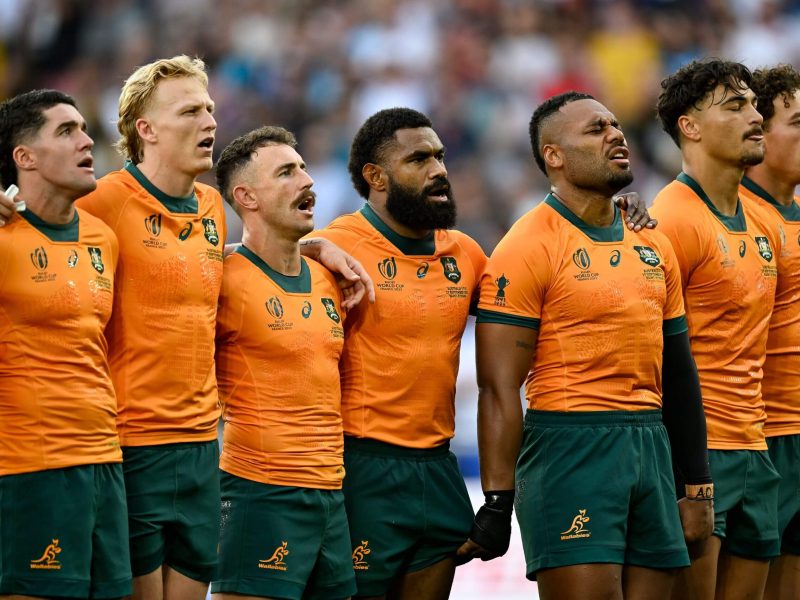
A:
[(753, 157)]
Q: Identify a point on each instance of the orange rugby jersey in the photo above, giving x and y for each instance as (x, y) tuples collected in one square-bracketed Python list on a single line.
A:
[(401, 354), (57, 405), (781, 385), (602, 299), (161, 333), (728, 273), (279, 340)]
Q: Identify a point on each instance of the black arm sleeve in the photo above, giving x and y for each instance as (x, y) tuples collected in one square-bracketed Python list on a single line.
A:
[(683, 412)]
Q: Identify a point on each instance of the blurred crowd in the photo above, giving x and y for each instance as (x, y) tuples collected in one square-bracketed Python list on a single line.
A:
[(320, 67)]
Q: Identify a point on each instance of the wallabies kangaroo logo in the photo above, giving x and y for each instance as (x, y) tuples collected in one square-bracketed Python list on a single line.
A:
[(358, 555), (577, 529), (276, 560), (48, 558)]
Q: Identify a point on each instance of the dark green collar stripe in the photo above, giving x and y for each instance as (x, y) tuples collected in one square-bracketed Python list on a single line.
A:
[(408, 246), (69, 232), (790, 212), (293, 284), (613, 233), (735, 223), (490, 316), (174, 204), (674, 326)]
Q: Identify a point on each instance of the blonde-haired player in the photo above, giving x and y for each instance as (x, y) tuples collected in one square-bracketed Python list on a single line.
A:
[(161, 335)]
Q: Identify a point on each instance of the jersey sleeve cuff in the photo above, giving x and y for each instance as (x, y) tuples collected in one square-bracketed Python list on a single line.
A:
[(675, 326), (490, 316)]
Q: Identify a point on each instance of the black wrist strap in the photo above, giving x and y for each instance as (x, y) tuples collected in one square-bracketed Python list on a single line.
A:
[(500, 500)]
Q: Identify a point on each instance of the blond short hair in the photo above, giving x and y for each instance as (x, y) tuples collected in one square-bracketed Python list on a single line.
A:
[(136, 93)]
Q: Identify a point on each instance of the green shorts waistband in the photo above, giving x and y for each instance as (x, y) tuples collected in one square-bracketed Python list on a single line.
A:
[(375, 447), (172, 446), (647, 418)]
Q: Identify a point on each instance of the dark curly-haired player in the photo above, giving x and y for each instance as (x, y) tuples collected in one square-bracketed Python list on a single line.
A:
[(771, 184), (727, 255)]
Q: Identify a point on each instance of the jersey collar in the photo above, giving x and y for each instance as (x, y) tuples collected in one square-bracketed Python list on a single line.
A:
[(292, 284), (735, 223), (613, 233), (789, 213), (174, 204)]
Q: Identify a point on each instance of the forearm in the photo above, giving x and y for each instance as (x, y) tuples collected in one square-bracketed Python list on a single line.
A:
[(499, 436), (311, 247), (683, 413)]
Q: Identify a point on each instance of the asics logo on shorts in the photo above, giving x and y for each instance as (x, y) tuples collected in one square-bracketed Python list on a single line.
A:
[(577, 529), (358, 556), (48, 558), (276, 560)]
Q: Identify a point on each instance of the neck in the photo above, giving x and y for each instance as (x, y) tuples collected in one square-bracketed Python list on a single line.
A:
[(781, 190), (379, 206), (596, 209), (49, 205), (168, 180), (719, 181), (280, 252)]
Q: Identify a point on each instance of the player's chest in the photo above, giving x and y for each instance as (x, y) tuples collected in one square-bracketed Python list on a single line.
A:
[(152, 234), (426, 289), (59, 281), (788, 261), (740, 269), (288, 322), (609, 279)]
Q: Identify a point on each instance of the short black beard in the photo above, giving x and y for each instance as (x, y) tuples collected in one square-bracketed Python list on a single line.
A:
[(414, 209), (619, 181)]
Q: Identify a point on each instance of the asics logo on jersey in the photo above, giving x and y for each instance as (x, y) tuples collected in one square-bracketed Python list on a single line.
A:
[(306, 311), (388, 268), (48, 558), (39, 258), (648, 256), (274, 307), (581, 259), (577, 529), (72, 259), (153, 224), (276, 560), (423, 270), (185, 232), (742, 248), (763, 248), (359, 552), (616, 256)]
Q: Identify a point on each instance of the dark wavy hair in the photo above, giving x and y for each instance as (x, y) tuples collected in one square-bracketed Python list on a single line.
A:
[(691, 84), (549, 107), (21, 118), (768, 84), (375, 137), (239, 153)]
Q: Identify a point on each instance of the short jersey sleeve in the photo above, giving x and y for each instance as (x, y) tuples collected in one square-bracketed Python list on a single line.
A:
[(514, 283)]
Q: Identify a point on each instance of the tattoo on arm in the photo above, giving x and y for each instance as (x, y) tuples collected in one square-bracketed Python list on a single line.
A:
[(524, 345)]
